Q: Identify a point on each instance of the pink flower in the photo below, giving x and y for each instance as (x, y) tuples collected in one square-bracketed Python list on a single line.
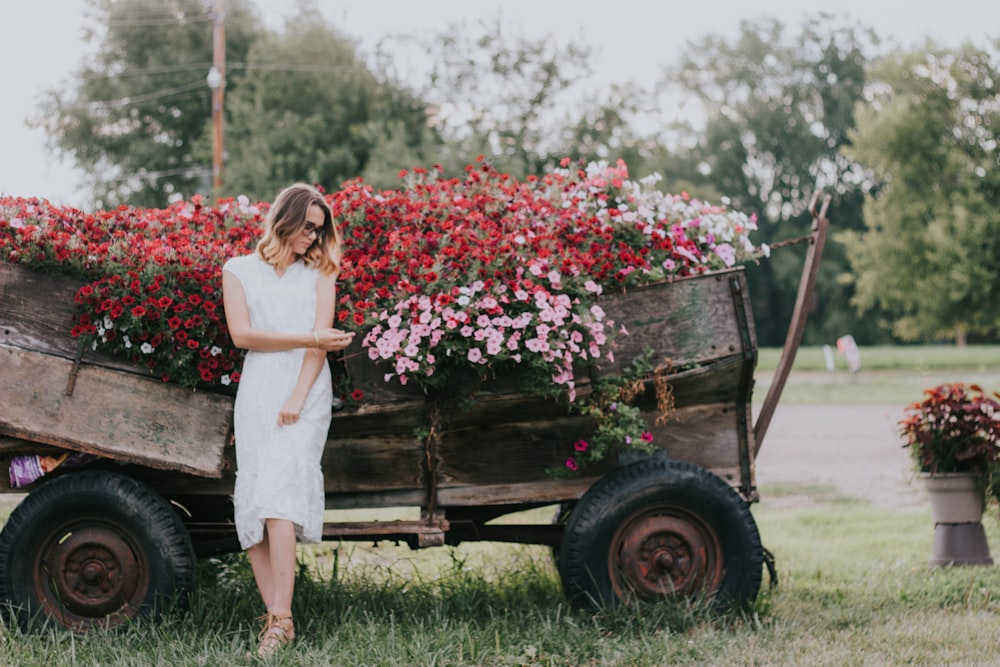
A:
[(647, 436), (581, 445), (571, 463), (475, 354)]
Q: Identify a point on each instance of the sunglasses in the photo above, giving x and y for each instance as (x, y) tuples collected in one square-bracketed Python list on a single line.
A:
[(312, 230)]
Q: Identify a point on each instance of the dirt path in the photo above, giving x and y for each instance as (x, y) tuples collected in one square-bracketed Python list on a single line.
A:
[(853, 447)]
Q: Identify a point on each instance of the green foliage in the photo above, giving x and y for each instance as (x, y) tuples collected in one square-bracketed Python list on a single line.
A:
[(618, 423), (779, 107), (135, 110), (930, 249), (494, 91), (310, 110)]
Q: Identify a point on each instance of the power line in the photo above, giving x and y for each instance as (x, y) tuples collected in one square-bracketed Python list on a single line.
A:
[(195, 85), (292, 67), (159, 21), (165, 69), (148, 97), (189, 172)]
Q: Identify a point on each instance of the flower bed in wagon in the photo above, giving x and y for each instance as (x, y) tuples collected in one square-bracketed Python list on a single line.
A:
[(443, 278)]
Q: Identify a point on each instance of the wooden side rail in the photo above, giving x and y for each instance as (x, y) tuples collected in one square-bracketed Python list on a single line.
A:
[(807, 286)]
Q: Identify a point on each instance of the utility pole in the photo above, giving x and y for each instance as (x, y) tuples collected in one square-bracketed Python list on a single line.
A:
[(217, 82)]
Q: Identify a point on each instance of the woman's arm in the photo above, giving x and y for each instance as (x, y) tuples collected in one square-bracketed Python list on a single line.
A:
[(324, 337), (312, 362)]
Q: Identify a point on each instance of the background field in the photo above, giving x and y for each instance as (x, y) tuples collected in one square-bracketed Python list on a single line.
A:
[(850, 531), (891, 375)]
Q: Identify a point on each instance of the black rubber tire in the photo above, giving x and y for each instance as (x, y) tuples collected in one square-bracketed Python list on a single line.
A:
[(656, 530), (93, 548)]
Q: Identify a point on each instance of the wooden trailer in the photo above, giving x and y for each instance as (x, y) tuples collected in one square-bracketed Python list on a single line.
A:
[(111, 540)]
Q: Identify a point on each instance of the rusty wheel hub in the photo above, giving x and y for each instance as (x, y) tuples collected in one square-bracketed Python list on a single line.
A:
[(91, 573), (665, 553)]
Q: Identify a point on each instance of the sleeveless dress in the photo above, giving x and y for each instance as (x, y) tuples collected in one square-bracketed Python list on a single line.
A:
[(278, 473)]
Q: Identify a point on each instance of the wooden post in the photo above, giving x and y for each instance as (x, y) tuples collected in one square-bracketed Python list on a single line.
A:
[(218, 92)]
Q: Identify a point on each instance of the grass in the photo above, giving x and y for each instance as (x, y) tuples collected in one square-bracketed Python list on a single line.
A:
[(854, 585), (888, 375), (854, 588), (910, 358)]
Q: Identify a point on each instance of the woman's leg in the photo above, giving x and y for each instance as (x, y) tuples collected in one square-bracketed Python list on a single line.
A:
[(260, 562), (273, 563), (281, 556)]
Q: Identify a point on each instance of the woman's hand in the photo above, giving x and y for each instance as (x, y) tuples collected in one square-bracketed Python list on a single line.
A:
[(290, 411), (331, 340)]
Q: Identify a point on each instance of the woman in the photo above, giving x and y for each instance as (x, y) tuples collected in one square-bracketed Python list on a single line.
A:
[(279, 305)]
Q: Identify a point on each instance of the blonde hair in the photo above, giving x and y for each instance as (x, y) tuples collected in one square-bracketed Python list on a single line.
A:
[(285, 221)]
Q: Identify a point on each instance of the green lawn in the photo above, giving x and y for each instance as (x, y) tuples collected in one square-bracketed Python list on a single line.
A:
[(914, 358), (888, 375), (854, 588)]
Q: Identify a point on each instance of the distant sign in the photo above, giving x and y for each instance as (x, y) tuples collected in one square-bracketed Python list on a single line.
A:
[(847, 347)]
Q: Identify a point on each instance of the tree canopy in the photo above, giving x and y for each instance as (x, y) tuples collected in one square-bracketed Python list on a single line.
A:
[(133, 116), (779, 105), (310, 110), (930, 248)]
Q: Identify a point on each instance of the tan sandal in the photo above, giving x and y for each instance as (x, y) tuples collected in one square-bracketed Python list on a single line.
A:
[(278, 631)]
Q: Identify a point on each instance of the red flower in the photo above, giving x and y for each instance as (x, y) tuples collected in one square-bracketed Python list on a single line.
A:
[(138, 311), (357, 395)]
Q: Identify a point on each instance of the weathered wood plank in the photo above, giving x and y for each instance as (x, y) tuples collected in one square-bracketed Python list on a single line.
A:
[(544, 491), (14, 446), (378, 463), (112, 414), (372, 419), (691, 321), (37, 310), (44, 325)]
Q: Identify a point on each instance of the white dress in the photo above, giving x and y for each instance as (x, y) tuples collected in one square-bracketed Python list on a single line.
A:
[(278, 472)]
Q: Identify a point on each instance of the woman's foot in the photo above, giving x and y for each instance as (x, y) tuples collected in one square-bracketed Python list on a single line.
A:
[(278, 631)]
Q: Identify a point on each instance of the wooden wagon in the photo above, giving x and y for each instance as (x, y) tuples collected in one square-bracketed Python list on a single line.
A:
[(110, 541)]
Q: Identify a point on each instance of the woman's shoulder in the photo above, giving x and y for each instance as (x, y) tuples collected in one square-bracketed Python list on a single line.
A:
[(243, 261), (240, 266), (317, 275)]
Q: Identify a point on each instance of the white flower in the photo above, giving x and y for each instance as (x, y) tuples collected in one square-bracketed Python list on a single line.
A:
[(147, 348)]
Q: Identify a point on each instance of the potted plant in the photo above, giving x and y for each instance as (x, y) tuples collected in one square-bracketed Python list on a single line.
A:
[(954, 439)]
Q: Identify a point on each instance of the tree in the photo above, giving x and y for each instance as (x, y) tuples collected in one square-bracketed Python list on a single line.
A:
[(778, 110), (495, 93), (929, 253), (310, 110), (134, 115)]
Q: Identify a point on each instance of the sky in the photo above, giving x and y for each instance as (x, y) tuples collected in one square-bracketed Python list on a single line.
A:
[(631, 40)]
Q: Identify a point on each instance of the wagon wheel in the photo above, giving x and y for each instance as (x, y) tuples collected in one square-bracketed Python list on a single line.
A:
[(657, 530), (93, 548)]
